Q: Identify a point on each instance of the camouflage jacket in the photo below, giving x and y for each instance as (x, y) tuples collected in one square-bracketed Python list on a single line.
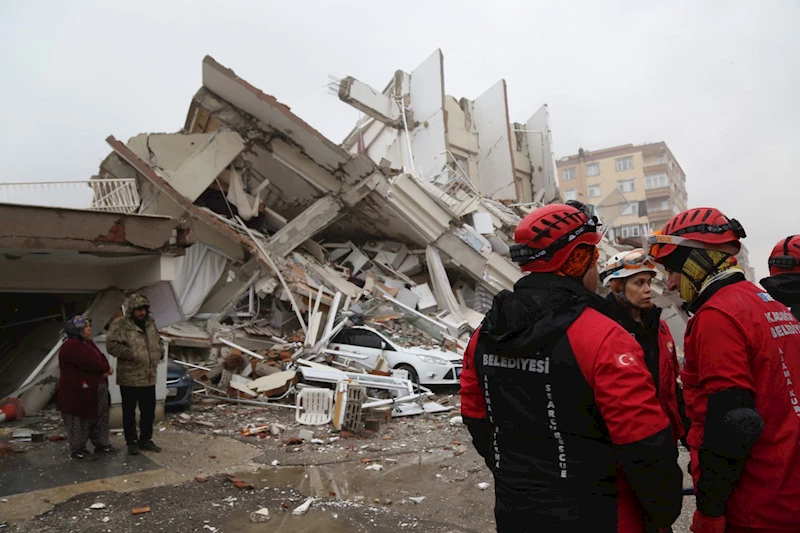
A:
[(138, 351)]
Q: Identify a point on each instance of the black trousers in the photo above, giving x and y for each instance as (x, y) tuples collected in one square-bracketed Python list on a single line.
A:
[(145, 398)]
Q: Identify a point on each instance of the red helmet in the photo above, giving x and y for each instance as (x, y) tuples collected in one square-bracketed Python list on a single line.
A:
[(546, 237), (699, 227), (785, 257)]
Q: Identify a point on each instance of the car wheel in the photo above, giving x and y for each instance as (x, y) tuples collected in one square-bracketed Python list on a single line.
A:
[(412, 374)]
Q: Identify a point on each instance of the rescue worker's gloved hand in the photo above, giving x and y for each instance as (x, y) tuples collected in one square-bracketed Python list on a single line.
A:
[(707, 524)]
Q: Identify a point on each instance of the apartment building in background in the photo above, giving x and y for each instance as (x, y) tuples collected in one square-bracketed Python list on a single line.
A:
[(636, 189)]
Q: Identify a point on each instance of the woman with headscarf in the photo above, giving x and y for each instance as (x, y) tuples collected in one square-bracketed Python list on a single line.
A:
[(83, 390)]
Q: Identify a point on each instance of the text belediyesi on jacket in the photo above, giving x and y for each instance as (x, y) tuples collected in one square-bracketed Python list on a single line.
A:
[(569, 399), (138, 349)]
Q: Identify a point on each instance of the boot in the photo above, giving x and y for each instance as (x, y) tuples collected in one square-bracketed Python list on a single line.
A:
[(133, 449), (149, 446)]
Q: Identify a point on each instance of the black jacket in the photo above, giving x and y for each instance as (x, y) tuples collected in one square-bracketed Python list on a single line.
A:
[(645, 332), (569, 401), (786, 289)]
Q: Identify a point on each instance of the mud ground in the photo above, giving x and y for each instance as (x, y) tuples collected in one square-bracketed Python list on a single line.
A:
[(422, 456)]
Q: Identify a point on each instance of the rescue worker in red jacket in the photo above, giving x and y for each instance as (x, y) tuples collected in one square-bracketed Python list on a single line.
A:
[(558, 398), (783, 282), (629, 275), (742, 357)]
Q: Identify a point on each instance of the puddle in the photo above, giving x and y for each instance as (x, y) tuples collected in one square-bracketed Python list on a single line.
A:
[(312, 521), (351, 480), (440, 477)]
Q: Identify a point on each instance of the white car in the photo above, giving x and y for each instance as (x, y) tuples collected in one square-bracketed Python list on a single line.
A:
[(364, 345)]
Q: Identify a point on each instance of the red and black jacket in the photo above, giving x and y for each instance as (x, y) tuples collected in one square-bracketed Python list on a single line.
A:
[(742, 354), (575, 433)]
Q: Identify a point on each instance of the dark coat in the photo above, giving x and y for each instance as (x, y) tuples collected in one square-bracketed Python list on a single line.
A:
[(80, 362), (575, 431)]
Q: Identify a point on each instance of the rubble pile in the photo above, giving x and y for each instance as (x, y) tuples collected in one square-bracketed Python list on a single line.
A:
[(331, 279)]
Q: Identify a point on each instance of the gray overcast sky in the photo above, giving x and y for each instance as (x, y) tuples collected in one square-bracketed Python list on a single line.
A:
[(718, 82)]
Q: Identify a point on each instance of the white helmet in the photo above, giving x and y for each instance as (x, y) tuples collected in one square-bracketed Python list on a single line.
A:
[(626, 264)]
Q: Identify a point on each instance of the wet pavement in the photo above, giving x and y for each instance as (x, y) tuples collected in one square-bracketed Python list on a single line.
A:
[(45, 465), (358, 484)]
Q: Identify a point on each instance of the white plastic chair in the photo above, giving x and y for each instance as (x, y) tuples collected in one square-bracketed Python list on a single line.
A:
[(314, 406)]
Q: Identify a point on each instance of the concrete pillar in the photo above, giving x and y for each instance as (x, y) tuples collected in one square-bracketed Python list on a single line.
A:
[(305, 225)]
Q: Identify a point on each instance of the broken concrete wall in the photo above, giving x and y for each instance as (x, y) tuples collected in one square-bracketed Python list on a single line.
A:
[(428, 140), (462, 138), (540, 147), (523, 172), (495, 156)]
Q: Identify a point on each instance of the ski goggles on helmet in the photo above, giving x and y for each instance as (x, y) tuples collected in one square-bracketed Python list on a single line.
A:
[(656, 241), (634, 260)]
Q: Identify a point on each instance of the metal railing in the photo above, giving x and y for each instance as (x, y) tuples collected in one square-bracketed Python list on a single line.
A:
[(451, 187), (110, 195)]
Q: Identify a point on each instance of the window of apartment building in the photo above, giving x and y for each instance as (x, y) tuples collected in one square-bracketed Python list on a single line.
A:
[(629, 209), (659, 205), (626, 185), (651, 227), (631, 230), (569, 174), (592, 169), (654, 181), (594, 191), (661, 160), (570, 194), (624, 163)]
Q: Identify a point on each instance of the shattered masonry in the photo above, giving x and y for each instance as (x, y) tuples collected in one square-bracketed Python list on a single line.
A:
[(286, 262)]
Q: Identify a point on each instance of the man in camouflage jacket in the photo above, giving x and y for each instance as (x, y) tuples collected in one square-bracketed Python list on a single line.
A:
[(134, 340)]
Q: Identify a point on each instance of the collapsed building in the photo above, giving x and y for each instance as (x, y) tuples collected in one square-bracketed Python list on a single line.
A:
[(292, 256)]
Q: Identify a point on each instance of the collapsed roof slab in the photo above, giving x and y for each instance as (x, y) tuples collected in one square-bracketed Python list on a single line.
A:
[(295, 179), (278, 118), (47, 228), (71, 250), (190, 163), (182, 204)]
